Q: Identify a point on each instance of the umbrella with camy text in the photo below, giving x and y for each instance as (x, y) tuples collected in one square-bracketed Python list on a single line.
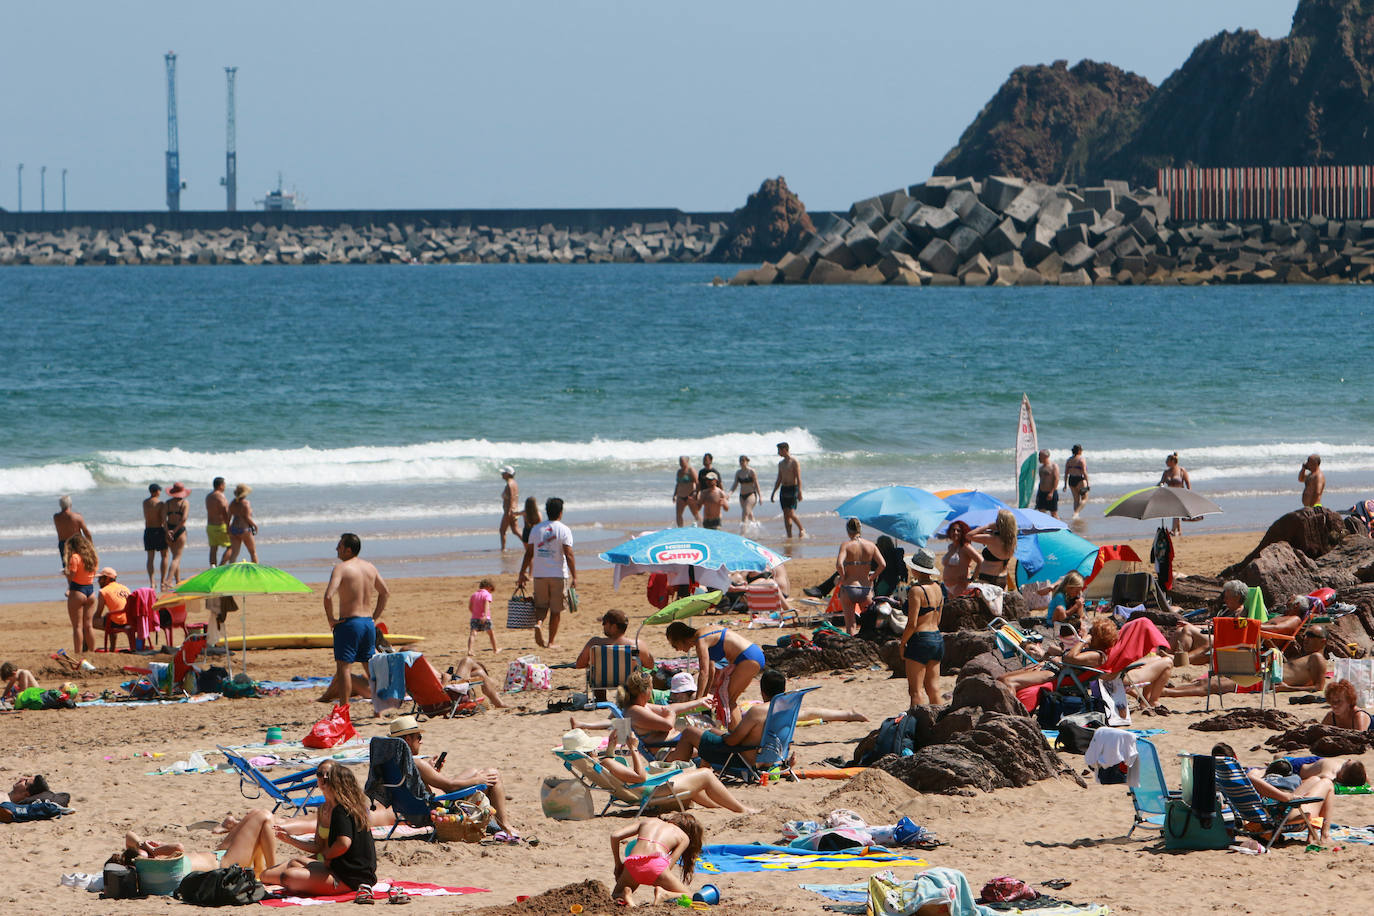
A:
[(242, 578), (703, 555), (906, 513)]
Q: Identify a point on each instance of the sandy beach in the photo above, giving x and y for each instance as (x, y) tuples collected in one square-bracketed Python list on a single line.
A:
[(1053, 829)]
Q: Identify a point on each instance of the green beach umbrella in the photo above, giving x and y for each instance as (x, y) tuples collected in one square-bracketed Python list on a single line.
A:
[(681, 609), (242, 578)]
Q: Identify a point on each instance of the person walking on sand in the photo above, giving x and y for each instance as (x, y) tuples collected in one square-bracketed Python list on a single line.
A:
[(243, 529), (747, 480), (217, 521), (789, 481), (1175, 475), (707, 472), (68, 525), (685, 490), (714, 501), (858, 564), (155, 533), (549, 559), (1313, 481), (1047, 494), (1076, 478), (510, 498), (353, 584), (479, 614), (176, 513)]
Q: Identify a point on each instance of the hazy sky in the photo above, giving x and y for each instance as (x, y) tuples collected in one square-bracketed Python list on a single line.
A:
[(530, 104)]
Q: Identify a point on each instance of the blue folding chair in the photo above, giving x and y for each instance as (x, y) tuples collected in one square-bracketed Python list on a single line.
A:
[(656, 789), (608, 667), (775, 744), (1151, 797), (292, 790), (1263, 818), (394, 781)]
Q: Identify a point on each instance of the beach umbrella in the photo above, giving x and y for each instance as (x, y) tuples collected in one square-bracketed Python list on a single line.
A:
[(1162, 502), (171, 598), (242, 579), (907, 513), (961, 501), (704, 555), (1050, 555), (1028, 521), (681, 609)]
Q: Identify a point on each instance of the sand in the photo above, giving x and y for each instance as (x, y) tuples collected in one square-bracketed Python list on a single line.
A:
[(1052, 829)]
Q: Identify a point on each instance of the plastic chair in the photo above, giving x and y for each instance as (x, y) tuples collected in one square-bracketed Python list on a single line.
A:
[(775, 744), (1262, 817), (1151, 797), (764, 596), (429, 694), (608, 667), (112, 632), (1237, 654), (639, 795), (394, 781), (292, 790)]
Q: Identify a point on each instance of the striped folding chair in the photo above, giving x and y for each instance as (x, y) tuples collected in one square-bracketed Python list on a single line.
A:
[(1262, 817), (608, 668)]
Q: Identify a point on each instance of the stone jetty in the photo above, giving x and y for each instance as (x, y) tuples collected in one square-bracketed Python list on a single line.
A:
[(409, 243), (1008, 232)]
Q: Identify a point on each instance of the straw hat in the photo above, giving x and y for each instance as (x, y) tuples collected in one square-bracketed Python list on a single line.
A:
[(242, 490), (578, 740), (404, 725), (922, 561)]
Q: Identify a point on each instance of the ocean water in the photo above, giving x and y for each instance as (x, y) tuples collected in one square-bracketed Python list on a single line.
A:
[(383, 399)]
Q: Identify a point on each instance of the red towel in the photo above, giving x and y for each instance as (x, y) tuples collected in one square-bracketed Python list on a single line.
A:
[(1138, 639), (1030, 696)]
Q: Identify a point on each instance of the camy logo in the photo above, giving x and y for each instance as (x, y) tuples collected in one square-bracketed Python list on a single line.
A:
[(678, 553)]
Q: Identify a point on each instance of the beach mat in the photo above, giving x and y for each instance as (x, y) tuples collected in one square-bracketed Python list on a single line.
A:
[(753, 857), (413, 888), (131, 704)]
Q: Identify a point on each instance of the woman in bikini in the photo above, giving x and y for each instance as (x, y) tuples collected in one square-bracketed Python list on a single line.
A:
[(685, 490), (923, 645), (654, 845), (531, 518), (1090, 654), (999, 550), (857, 564), (250, 843), (747, 480), (958, 560), (242, 528), (655, 722), (1344, 713), (1076, 478), (728, 662), (81, 562), (175, 514), (701, 783), (1175, 475)]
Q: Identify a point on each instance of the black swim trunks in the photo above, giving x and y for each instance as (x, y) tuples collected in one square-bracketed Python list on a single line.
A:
[(711, 522), (788, 497), (154, 539), (1047, 502)]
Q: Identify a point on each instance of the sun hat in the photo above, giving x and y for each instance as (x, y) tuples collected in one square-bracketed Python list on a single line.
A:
[(178, 491), (109, 573), (507, 470), (242, 490), (578, 740), (922, 561), (404, 725), (682, 682)]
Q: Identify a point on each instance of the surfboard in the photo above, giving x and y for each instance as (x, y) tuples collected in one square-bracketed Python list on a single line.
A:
[(303, 641)]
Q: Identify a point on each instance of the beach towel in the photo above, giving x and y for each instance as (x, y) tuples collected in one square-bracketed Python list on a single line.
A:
[(392, 751), (1111, 747), (753, 857), (1254, 605), (380, 889), (387, 672), (141, 614), (1137, 639), (890, 897)]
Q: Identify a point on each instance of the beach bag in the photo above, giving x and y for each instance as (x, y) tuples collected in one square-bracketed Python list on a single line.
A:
[(1076, 731), (1055, 706), (657, 591), (1006, 890), (239, 687), (334, 728), (1184, 829), (566, 800), (462, 821), (232, 886), (520, 612), (1360, 673), (896, 735), (121, 883), (526, 673)]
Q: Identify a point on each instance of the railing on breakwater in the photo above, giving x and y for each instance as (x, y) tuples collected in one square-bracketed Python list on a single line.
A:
[(1262, 193)]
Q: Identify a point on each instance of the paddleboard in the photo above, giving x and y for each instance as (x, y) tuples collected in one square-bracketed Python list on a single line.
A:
[(303, 641)]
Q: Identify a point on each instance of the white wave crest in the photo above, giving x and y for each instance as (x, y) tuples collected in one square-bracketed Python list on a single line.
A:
[(46, 478)]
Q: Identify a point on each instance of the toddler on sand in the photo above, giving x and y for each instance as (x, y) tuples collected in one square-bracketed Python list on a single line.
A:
[(479, 606), (656, 843)]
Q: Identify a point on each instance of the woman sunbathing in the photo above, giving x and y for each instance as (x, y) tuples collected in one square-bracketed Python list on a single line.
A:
[(704, 786), (1091, 654), (250, 843), (1320, 786), (656, 722)]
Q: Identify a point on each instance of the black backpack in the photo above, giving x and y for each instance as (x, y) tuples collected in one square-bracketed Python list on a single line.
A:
[(896, 735), (121, 882), (232, 886), (1076, 731)]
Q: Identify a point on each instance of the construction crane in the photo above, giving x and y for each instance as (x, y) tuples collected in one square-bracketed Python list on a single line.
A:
[(173, 156), (231, 166)]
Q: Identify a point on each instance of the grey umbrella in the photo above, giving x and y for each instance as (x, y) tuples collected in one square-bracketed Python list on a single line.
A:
[(1162, 502)]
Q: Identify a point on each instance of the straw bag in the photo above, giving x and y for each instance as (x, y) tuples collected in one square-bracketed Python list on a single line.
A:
[(520, 612), (463, 821)]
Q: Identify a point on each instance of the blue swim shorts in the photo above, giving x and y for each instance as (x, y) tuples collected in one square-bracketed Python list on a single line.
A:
[(355, 639)]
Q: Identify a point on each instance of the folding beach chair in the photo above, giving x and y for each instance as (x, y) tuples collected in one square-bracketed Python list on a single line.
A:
[(655, 791), (1151, 798), (608, 667), (775, 744), (1263, 818), (1132, 590), (292, 790), (1237, 654), (433, 698), (393, 781)]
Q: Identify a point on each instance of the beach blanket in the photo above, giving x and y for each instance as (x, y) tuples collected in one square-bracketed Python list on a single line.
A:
[(752, 857), (413, 888), (1137, 639), (199, 698), (297, 683), (1363, 836)]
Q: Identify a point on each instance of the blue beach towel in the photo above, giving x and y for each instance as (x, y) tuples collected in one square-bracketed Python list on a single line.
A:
[(753, 857)]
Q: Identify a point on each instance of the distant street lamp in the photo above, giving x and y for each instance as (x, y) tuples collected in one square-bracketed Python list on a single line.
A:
[(64, 190), (20, 209), (42, 189)]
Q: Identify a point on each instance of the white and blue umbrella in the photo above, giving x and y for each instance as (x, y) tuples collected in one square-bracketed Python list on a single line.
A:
[(961, 501), (906, 513), (701, 554), (1050, 555), (1028, 521)]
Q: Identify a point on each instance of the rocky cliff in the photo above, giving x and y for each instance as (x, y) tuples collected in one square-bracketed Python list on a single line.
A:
[(1239, 99), (770, 224)]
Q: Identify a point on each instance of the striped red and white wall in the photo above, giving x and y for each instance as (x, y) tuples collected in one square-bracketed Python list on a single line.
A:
[(1262, 193)]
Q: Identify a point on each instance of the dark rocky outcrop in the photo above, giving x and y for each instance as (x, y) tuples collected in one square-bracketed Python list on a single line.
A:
[(1248, 718), (963, 646), (1038, 117), (1194, 592), (1280, 572), (830, 652), (989, 664), (999, 752), (1324, 740), (985, 693), (1311, 531), (967, 612), (770, 224)]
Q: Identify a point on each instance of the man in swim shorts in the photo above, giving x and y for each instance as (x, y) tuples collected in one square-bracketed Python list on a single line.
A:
[(217, 521), (154, 531), (1047, 494), (714, 501), (353, 582), (68, 523), (789, 482), (1313, 481)]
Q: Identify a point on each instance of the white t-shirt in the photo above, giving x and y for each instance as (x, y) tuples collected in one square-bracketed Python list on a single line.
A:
[(549, 539)]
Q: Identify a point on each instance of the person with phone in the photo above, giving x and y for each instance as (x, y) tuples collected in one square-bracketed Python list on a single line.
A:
[(408, 730)]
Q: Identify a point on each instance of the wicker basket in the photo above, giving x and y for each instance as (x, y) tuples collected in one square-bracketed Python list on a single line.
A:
[(464, 821)]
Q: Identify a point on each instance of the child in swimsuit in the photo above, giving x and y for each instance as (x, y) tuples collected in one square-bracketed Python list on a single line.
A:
[(646, 850)]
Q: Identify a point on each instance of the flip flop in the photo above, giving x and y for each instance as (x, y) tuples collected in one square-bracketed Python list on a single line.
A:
[(365, 895), (396, 895)]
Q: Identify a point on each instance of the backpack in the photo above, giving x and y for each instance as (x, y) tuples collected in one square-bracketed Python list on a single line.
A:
[(121, 883), (232, 886), (1076, 731), (657, 590), (896, 735)]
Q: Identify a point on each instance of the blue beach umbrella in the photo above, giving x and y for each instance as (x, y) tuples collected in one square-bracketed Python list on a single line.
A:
[(961, 501), (1028, 521), (907, 513), (686, 550), (1050, 555)]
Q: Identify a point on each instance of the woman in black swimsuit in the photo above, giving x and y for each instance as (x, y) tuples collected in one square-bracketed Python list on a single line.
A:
[(532, 518), (1076, 478), (174, 520), (747, 480), (999, 550), (685, 490), (923, 645)]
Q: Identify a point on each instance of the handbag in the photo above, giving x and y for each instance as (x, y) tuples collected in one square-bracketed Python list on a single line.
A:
[(520, 612), (1185, 829), (566, 800), (335, 728)]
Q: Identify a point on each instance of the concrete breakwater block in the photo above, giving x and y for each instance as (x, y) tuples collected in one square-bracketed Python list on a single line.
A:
[(939, 257)]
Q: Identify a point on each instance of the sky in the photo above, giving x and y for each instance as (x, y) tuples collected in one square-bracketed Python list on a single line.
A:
[(540, 103)]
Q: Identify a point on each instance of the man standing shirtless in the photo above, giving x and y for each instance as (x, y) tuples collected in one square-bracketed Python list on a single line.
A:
[(714, 501), (217, 521), (154, 532), (510, 499), (68, 523), (789, 480), (353, 582), (1313, 481), (1047, 494)]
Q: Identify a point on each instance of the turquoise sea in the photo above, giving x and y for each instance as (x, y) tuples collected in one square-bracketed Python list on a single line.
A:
[(383, 399)]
